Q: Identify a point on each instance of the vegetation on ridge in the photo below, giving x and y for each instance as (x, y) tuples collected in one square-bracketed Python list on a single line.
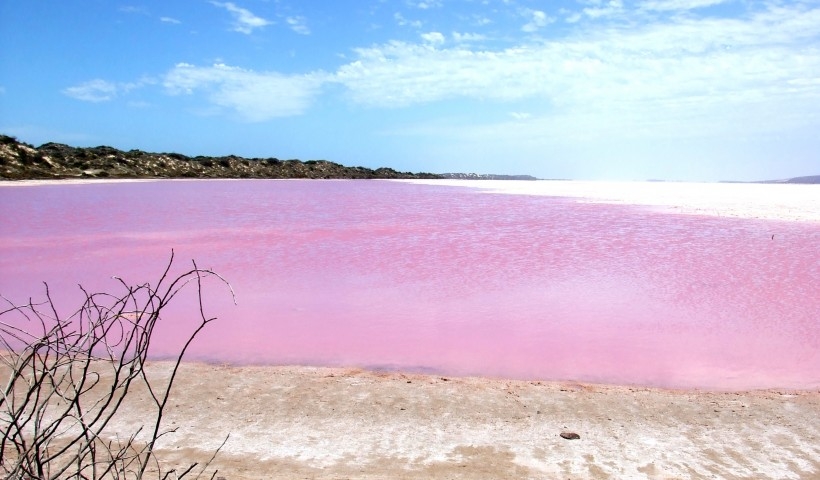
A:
[(19, 161)]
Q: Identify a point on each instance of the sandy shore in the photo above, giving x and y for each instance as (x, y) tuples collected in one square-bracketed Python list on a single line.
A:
[(302, 422)]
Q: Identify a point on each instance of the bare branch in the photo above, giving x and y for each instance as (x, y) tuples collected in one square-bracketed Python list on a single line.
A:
[(69, 376)]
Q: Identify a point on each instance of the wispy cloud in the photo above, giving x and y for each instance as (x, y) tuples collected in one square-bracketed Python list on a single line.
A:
[(298, 25), (572, 17), (93, 91), (401, 21), (662, 5), (134, 10), (424, 5), (481, 21), (169, 20), (537, 20), (253, 96), (244, 20), (99, 90), (467, 37), (701, 70), (603, 10), (520, 115), (433, 38), (683, 67)]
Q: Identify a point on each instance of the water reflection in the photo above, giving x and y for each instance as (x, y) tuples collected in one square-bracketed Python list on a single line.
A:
[(445, 279)]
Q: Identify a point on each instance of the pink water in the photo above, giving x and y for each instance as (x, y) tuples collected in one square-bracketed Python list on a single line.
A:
[(440, 279)]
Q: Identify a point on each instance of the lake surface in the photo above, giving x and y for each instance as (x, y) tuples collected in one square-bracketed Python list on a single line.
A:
[(439, 278)]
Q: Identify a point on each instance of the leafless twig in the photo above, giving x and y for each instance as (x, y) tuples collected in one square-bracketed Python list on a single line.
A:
[(69, 376)]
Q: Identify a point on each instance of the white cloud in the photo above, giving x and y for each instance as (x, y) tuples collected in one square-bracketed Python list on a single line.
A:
[(169, 20), (658, 76), (424, 5), (662, 5), (99, 90), (694, 92), (126, 87), (401, 21), (244, 20), (93, 91), (538, 20), (254, 96), (572, 17), (433, 38), (297, 24), (664, 73), (611, 8), (400, 74), (467, 37)]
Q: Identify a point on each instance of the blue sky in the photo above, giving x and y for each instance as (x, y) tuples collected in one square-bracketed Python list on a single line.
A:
[(591, 89)]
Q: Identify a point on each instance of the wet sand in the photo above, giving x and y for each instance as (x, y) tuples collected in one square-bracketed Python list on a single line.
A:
[(304, 422)]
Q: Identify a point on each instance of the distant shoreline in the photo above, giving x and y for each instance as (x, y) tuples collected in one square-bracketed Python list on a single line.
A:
[(56, 161), (761, 201)]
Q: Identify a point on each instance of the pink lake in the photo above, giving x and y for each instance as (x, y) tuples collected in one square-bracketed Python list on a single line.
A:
[(443, 279)]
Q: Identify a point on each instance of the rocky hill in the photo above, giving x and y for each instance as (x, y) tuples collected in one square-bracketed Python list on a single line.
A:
[(20, 161)]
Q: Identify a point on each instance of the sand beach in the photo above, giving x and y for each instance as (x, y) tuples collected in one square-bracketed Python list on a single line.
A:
[(326, 423)]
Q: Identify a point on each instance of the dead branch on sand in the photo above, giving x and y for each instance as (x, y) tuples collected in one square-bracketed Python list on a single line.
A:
[(67, 379)]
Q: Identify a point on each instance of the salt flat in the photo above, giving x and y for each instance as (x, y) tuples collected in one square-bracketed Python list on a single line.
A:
[(324, 423), (793, 202)]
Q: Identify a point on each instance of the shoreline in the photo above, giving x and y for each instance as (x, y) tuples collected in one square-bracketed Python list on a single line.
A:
[(757, 201), (472, 378), (732, 385), (317, 422)]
